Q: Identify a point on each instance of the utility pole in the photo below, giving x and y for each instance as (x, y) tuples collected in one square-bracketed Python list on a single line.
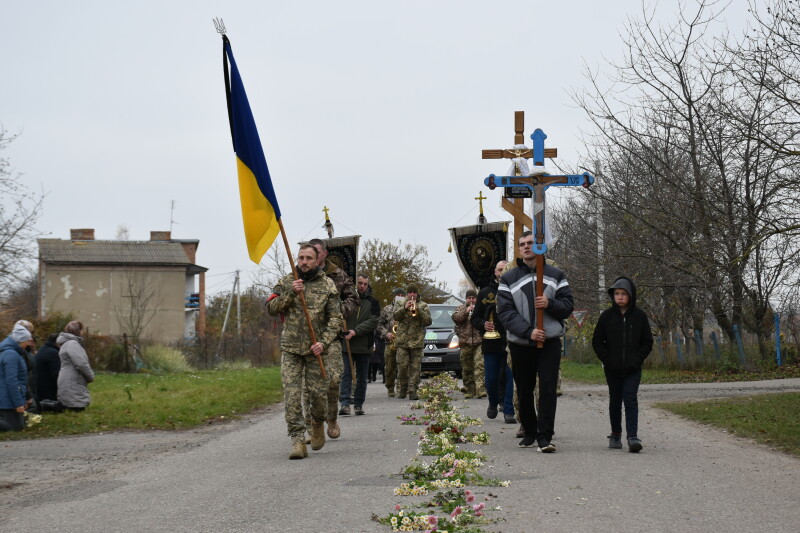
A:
[(227, 314), (171, 215), (601, 268)]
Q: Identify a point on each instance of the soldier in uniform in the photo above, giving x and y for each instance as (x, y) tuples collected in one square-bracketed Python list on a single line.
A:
[(299, 366), (349, 302), (469, 341), (411, 316), (385, 325)]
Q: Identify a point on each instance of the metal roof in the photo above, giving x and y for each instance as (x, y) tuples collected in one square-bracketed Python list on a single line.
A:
[(59, 251)]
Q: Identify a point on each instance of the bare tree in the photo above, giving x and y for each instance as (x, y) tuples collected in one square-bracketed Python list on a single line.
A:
[(694, 201), (142, 301), (19, 211), (272, 269)]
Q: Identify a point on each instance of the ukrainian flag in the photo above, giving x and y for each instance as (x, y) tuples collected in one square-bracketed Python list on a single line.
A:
[(260, 211)]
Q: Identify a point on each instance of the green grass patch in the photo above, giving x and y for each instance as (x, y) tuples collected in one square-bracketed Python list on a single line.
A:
[(164, 401), (768, 418), (593, 373)]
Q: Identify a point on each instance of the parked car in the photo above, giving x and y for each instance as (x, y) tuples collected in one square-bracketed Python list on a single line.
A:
[(441, 352)]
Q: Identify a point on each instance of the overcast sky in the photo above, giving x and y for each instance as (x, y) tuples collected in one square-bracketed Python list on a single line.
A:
[(378, 110)]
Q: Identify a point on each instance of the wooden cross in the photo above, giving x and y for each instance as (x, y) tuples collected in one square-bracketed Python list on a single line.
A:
[(537, 181), (515, 206)]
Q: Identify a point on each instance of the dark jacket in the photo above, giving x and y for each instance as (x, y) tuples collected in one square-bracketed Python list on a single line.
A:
[(363, 321), (47, 364), (13, 374), (485, 307), (622, 342), (515, 297)]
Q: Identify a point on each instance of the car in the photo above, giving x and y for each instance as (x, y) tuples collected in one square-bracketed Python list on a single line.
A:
[(441, 352)]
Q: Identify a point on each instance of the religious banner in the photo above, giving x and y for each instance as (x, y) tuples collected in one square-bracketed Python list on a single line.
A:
[(343, 251), (479, 248)]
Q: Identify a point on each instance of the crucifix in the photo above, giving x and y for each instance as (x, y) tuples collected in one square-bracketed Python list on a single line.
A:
[(515, 204), (538, 180)]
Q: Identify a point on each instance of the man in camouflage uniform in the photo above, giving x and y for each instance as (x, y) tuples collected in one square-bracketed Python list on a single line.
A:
[(409, 340), (385, 324), (349, 302), (469, 341), (299, 365)]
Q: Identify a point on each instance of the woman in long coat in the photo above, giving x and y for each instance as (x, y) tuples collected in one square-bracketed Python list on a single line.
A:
[(75, 372)]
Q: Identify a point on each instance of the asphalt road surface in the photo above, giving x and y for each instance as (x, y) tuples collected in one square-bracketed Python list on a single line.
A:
[(237, 477)]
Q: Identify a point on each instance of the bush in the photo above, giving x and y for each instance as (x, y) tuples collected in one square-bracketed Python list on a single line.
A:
[(164, 359)]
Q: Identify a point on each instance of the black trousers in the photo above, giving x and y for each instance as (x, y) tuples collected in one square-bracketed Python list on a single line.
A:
[(11, 420), (527, 363)]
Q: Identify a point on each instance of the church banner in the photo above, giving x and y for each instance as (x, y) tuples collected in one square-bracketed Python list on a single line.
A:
[(343, 251), (479, 248)]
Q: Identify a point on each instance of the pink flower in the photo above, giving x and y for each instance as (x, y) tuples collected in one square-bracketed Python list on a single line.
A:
[(470, 498), (433, 519), (478, 513), (479, 507), (397, 507), (467, 493), (458, 510)]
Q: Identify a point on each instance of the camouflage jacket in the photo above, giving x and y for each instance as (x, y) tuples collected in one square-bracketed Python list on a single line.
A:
[(322, 301), (467, 334), (411, 329), (386, 321), (344, 285)]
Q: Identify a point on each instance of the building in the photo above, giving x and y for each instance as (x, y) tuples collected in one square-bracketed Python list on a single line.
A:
[(148, 289)]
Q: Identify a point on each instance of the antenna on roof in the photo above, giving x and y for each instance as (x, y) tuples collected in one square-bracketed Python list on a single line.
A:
[(171, 213)]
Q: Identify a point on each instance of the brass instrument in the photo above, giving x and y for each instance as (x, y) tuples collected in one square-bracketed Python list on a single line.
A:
[(394, 337), (413, 309), (491, 334)]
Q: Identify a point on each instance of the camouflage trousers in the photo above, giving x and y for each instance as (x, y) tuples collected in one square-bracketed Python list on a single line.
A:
[(300, 374), (334, 366), (409, 364), (472, 370), (390, 365)]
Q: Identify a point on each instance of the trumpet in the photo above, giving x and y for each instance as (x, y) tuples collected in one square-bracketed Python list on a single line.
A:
[(412, 310)]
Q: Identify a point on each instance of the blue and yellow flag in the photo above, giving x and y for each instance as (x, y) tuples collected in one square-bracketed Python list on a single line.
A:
[(260, 211)]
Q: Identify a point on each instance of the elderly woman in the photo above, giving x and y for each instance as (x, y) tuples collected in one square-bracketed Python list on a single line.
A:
[(14, 379), (75, 371)]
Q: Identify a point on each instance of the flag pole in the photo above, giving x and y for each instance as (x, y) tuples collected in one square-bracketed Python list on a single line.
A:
[(302, 297)]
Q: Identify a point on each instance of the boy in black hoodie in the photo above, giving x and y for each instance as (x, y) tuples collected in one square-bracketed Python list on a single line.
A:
[(622, 341)]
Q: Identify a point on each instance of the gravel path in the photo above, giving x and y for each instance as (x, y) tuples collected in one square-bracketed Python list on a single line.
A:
[(235, 476)]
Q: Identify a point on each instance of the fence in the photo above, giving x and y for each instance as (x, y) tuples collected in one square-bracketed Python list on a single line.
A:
[(692, 353)]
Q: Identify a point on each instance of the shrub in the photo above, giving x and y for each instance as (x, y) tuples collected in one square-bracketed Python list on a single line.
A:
[(164, 359)]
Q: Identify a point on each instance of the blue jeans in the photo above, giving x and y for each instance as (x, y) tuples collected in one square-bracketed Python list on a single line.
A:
[(622, 388), (346, 396), (493, 364)]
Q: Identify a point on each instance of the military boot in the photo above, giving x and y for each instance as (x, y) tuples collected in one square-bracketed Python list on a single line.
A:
[(317, 436), (333, 429), (299, 450)]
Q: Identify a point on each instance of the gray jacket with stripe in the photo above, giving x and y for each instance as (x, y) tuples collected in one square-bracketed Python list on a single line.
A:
[(515, 298)]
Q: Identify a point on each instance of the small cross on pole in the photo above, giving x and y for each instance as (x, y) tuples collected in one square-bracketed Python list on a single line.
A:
[(327, 226)]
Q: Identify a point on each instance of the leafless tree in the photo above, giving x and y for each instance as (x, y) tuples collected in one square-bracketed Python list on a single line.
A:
[(141, 302), (19, 211), (694, 202)]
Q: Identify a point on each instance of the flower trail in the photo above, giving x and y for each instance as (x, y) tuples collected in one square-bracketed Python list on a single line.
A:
[(446, 476)]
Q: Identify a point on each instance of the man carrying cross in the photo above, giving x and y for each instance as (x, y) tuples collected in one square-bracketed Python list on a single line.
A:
[(518, 308)]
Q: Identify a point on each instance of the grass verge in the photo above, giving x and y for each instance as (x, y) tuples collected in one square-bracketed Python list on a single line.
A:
[(593, 373), (768, 418), (165, 401)]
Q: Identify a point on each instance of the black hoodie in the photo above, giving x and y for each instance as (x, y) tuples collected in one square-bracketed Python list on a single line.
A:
[(622, 342)]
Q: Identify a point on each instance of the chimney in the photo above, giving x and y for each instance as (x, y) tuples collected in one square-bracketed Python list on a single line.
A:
[(161, 236), (83, 234)]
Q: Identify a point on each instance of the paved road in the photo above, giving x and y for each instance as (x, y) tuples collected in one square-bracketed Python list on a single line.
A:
[(236, 477)]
